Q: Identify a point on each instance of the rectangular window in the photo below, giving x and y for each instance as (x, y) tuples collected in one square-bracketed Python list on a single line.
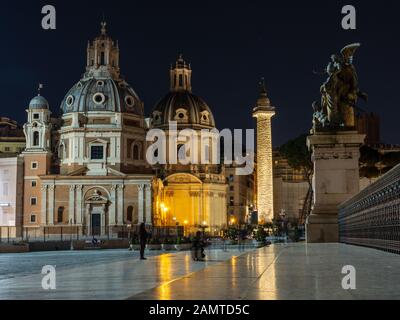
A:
[(33, 183), (7, 149), (5, 189), (33, 201), (33, 218), (34, 165), (97, 153), (36, 116)]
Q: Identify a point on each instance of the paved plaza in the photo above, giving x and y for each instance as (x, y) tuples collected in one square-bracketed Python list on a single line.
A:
[(293, 271)]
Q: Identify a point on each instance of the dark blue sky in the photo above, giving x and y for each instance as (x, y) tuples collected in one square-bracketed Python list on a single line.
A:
[(230, 45)]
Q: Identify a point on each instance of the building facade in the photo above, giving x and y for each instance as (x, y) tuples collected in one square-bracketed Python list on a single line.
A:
[(11, 197), (12, 138), (89, 174), (191, 190), (240, 196)]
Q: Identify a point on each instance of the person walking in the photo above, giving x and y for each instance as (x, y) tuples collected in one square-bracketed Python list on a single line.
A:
[(142, 239), (198, 248)]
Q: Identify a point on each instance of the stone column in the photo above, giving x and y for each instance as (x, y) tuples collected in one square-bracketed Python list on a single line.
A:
[(148, 204), (112, 210), (44, 220), (87, 222), (336, 179), (103, 220), (120, 210), (140, 202), (79, 204), (51, 205), (265, 187), (71, 216)]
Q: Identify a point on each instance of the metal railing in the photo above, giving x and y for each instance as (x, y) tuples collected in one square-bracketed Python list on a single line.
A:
[(372, 217), (68, 233)]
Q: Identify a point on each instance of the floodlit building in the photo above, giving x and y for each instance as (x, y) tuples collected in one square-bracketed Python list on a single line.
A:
[(11, 196), (12, 138), (101, 182), (189, 195)]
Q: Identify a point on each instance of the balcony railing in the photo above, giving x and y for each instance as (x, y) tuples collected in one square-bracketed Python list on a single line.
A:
[(372, 217)]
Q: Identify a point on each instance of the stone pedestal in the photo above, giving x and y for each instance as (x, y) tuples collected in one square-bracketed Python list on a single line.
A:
[(336, 179)]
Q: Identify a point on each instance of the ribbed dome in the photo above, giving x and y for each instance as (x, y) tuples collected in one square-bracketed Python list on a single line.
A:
[(185, 108), (38, 102), (102, 94)]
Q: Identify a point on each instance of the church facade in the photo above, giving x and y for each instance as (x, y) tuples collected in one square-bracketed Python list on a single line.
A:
[(87, 170)]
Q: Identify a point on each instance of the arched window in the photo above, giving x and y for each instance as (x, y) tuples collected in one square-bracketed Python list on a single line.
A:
[(129, 214), (207, 155), (36, 139), (60, 215), (102, 59), (181, 156), (136, 152), (181, 80)]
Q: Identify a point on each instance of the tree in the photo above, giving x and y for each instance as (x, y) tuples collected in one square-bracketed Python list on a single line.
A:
[(298, 155), (299, 158)]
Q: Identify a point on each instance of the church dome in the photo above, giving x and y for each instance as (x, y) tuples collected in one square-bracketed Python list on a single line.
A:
[(102, 94), (180, 104), (102, 89), (183, 107), (38, 102)]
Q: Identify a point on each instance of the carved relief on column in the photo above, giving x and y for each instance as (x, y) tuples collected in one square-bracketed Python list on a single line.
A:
[(148, 204), (140, 202), (51, 205), (71, 206), (44, 220), (79, 204), (112, 215), (120, 210)]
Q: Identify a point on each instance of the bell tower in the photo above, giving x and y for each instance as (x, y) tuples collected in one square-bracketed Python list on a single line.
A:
[(37, 129), (37, 160), (181, 76)]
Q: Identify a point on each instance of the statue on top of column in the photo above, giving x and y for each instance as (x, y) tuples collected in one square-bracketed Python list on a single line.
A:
[(339, 93)]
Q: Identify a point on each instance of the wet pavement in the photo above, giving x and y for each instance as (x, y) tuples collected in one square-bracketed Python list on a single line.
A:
[(290, 272), (100, 274), (293, 271)]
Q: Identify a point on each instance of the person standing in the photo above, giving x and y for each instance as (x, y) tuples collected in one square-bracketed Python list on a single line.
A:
[(143, 239)]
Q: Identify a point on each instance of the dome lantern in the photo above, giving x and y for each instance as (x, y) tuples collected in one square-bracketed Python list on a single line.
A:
[(103, 55), (181, 76)]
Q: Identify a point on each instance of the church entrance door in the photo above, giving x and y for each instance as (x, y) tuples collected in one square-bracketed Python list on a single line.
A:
[(96, 224)]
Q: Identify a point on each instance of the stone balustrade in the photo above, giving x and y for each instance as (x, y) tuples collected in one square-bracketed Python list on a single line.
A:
[(372, 217)]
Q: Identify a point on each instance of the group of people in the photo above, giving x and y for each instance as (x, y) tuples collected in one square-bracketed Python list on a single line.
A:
[(197, 244)]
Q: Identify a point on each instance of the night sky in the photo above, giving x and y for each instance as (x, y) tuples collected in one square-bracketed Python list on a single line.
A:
[(230, 45)]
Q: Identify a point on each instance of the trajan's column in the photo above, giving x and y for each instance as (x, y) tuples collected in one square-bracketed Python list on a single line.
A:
[(263, 113)]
